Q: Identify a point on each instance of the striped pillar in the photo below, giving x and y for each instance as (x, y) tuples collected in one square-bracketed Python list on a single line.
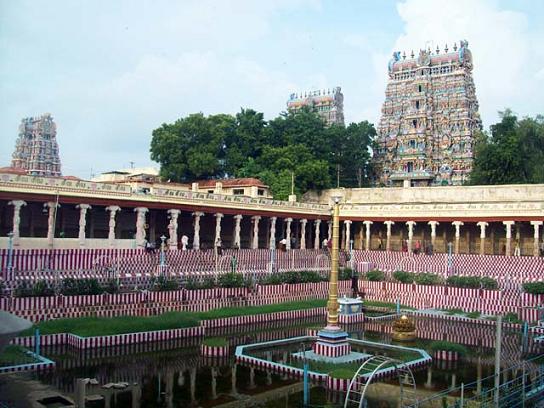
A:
[(288, 233), (140, 225), (433, 225), (411, 225), (237, 229), (255, 243), (196, 233), (173, 228)]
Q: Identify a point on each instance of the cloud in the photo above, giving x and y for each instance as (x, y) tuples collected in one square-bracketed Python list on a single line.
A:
[(500, 40)]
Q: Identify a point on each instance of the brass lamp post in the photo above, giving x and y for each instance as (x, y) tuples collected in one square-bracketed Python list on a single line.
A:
[(332, 304)]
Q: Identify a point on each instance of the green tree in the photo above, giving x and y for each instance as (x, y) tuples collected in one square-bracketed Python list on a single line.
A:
[(512, 154)]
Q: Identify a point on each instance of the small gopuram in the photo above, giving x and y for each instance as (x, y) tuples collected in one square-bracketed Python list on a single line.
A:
[(429, 117), (329, 104), (36, 148)]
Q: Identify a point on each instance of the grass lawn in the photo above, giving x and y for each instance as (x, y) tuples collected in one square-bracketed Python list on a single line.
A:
[(15, 355), (102, 326)]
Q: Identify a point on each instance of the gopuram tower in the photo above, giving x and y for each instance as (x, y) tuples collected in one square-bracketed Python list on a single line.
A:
[(36, 148), (328, 104), (429, 117)]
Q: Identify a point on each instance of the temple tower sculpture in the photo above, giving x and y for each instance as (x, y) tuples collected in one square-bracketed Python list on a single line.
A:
[(36, 148), (329, 104), (429, 119)]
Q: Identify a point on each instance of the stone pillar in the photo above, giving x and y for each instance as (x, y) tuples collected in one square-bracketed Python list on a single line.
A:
[(457, 225), (237, 229), (388, 241), (273, 232), (367, 235), (433, 225), (218, 217), (482, 225), (51, 222), (192, 383), (317, 238), (196, 235), (536, 225), (411, 225), (329, 231), (255, 243), (233, 388), (214, 382), (288, 233), (347, 223), (173, 228), (17, 205), (111, 232), (82, 223), (508, 225), (303, 223), (140, 225)]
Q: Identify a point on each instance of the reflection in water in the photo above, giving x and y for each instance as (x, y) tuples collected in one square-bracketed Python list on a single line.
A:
[(174, 374)]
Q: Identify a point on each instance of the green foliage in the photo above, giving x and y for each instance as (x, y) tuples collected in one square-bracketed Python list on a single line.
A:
[(231, 280), (512, 154), (535, 288), (404, 277), (71, 286), (488, 283), (474, 282), (40, 288), (342, 373), (15, 355), (345, 274), (112, 286), (206, 283), (375, 275), (163, 284), (473, 315), (512, 318), (426, 278), (443, 345), (299, 144)]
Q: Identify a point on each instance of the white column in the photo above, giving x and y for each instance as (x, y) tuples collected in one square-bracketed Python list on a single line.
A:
[(482, 225), (411, 225), (218, 217), (196, 235), (317, 242), (457, 225), (347, 223), (536, 225), (111, 232), (51, 221), (17, 205), (288, 233), (329, 231), (273, 232), (255, 219), (140, 225), (82, 223), (367, 234), (433, 225), (237, 229), (388, 242), (303, 233), (173, 228), (508, 225)]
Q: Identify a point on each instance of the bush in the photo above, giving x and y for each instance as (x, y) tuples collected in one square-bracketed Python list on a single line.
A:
[(473, 315), (71, 286), (112, 286), (345, 274), (489, 283), (273, 279), (448, 346), (535, 288), (194, 284), (215, 342), (427, 279), (375, 275), (512, 318), (231, 280), (404, 277), (163, 284)]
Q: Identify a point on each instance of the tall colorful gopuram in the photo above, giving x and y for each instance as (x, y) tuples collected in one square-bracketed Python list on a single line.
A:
[(329, 104), (36, 148), (429, 119)]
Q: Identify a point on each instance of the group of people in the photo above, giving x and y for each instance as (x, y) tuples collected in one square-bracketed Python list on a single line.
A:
[(419, 247)]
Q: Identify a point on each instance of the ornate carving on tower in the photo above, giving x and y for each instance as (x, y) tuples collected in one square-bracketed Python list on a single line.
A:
[(329, 104), (426, 131), (36, 148)]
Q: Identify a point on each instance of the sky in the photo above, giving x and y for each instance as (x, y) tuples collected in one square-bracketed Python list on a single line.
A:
[(112, 71)]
